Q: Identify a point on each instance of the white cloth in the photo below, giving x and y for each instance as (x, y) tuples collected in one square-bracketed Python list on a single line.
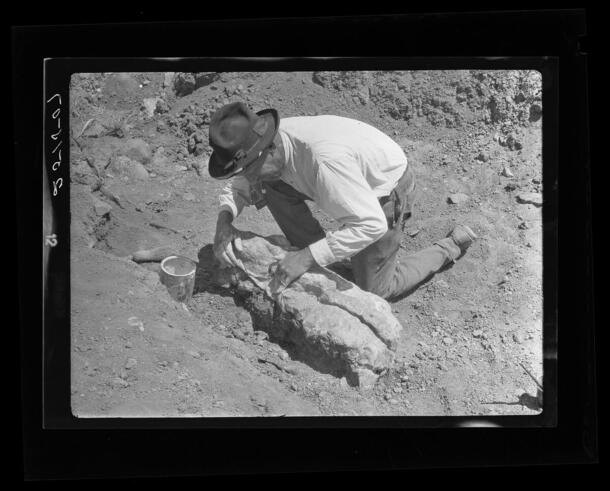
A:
[(345, 166)]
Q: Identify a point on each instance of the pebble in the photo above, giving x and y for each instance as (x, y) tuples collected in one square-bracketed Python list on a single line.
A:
[(483, 156), (131, 363), (447, 340), (457, 198), (523, 226), (478, 333), (194, 354), (293, 387), (397, 390), (188, 196), (102, 208), (393, 401), (506, 172), (517, 338), (530, 198)]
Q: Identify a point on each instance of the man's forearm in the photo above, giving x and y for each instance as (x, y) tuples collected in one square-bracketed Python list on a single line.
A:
[(225, 217)]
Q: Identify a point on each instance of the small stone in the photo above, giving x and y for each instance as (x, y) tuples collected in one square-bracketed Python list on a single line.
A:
[(397, 390), (529, 244), (102, 208), (457, 198), (293, 387), (131, 363), (506, 172), (477, 334), (128, 345), (530, 198), (393, 401), (517, 338), (188, 196), (483, 156), (536, 181), (523, 226), (387, 397), (194, 354), (447, 340)]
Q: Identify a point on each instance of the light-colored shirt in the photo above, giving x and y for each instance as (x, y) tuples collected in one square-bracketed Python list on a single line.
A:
[(345, 166)]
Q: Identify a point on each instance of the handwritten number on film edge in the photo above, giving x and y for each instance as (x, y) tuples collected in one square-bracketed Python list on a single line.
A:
[(51, 240)]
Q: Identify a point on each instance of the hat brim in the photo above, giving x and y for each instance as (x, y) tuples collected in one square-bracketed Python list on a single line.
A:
[(220, 169)]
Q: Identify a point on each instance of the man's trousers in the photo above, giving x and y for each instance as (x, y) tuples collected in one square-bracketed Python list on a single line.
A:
[(376, 268)]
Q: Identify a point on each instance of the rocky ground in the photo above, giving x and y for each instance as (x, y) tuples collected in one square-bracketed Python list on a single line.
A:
[(139, 180)]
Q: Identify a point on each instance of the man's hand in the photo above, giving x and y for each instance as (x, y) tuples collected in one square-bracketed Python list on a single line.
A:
[(226, 236), (290, 268)]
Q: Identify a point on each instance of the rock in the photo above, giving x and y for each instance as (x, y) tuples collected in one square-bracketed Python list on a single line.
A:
[(477, 334), (535, 113), (199, 149), (150, 105), (124, 166), (506, 172), (168, 78), (517, 338), (457, 198), (334, 326), (184, 83), (530, 198), (131, 363), (483, 156), (512, 142), (188, 196), (101, 208), (162, 106), (138, 150), (447, 340), (138, 172), (194, 354), (523, 226)]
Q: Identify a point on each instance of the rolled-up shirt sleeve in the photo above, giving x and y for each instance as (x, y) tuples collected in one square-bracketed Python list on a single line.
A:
[(235, 195), (343, 193)]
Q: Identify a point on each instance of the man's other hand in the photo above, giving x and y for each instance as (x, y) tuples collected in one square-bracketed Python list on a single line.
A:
[(227, 237), (291, 268)]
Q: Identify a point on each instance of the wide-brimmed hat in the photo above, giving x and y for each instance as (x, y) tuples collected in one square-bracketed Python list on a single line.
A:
[(238, 136)]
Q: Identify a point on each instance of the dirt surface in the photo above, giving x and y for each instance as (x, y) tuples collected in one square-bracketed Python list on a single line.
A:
[(139, 180)]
